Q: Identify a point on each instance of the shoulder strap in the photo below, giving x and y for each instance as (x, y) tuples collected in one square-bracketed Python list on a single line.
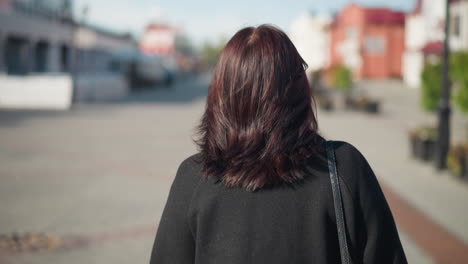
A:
[(345, 257)]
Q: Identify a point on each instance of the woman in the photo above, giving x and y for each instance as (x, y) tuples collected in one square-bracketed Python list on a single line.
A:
[(259, 190)]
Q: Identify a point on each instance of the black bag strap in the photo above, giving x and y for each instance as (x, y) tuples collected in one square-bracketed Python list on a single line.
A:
[(344, 252)]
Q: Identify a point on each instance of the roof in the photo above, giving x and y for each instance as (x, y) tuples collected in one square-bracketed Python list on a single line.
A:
[(373, 15), (384, 16), (435, 47), (106, 31), (160, 26)]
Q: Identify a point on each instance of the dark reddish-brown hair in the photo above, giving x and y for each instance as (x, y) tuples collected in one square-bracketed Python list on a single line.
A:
[(259, 125)]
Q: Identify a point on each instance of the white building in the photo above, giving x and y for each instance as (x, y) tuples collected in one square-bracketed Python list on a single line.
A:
[(425, 34), (459, 25), (310, 35), (38, 44), (424, 31)]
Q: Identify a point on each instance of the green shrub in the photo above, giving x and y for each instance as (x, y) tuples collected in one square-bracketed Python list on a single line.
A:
[(455, 158), (459, 74), (342, 78), (461, 97), (210, 52), (430, 86)]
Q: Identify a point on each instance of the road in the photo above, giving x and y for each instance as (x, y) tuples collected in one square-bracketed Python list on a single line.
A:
[(97, 176)]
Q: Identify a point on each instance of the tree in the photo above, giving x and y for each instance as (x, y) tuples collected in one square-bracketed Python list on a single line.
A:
[(459, 74), (184, 45), (430, 86), (431, 81), (342, 78), (209, 52)]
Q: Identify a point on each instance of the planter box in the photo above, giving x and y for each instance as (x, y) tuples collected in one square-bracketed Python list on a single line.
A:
[(465, 170), (457, 161), (426, 149), (422, 141), (327, 106), (414, 147), (349, 103), (422, 149), (371, 107), (362, 104), (324, 102)]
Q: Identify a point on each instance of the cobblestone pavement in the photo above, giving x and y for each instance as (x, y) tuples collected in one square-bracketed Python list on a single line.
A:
[(98, 175)]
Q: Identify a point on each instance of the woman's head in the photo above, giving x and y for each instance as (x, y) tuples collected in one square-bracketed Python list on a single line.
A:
[(259, 127)]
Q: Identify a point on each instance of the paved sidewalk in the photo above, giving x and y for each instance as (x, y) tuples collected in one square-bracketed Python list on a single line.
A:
[(99, 175), (383, 141)]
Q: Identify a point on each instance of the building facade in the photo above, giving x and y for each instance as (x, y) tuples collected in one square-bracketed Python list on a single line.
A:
[(35, 36), (370, 41), (41, 43), (459, 25), (311, 37), (424, 35), (159, 39)]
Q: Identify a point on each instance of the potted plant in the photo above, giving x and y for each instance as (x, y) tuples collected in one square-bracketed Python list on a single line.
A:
[(319, 91), (365, 104), (428, 137), (456, 160), (422, 142), (413, 140), (350, 103), (342, 80), (465, 161), (372, 106), (360, 102), (324, 101), (458, 70), (430, 86), (423, 138)]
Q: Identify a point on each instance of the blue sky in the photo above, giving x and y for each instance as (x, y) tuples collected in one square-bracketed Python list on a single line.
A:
[(209, 19)]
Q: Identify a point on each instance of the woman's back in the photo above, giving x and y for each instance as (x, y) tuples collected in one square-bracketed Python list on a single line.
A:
[(259, 190), (205, 222)]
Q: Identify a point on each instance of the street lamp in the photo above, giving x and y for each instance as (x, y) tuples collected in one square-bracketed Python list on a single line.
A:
[(443, 130)]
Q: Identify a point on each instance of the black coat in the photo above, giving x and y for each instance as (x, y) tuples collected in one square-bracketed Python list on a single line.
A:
[(204, 222)]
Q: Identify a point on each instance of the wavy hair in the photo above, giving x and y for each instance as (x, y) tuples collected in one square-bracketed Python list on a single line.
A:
[(259, 125)]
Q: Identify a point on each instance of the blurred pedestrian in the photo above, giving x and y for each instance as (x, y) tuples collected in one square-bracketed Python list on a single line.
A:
[(261, 189)]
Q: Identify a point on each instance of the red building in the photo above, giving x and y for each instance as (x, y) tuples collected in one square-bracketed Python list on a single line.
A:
[(368, 40), (159, 39)]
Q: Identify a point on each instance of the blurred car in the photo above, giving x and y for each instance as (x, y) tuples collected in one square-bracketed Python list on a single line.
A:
[(143, 71)]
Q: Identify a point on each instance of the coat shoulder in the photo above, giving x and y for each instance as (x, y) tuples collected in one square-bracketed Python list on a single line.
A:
[(352, 166)]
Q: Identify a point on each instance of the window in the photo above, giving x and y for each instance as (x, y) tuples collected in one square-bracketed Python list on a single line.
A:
[(351, 33), (47, 8), (374, 45), (17, 55), (64, 58), (456, 20), (41, 52)]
